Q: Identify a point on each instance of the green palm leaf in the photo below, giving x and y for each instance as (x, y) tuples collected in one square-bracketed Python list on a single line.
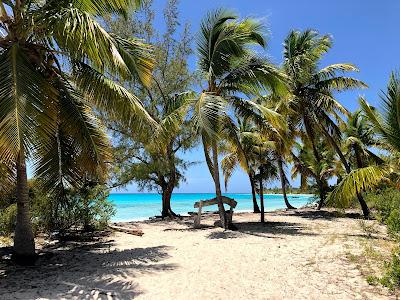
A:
[(25, 97), (355, 182)]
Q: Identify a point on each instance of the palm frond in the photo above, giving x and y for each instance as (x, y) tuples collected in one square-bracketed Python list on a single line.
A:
[(26, 97), (208, 111), (355, 182), (110, 97)]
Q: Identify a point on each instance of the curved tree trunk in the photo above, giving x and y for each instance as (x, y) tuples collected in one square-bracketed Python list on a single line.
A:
[(283, 183), (256, 209), (303, 183), (346, 165), (221, 209), (322, 187), (261, 191), (24, 244), (166, 202)]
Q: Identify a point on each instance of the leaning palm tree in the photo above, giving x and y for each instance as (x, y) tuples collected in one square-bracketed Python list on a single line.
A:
[(53, 55), (386, 126), (320, 171), (281, 136), (242, 156), (359, 138), (313, 102), (229, 65)]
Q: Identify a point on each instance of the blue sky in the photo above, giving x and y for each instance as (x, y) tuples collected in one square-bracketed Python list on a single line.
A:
[(364, 33)]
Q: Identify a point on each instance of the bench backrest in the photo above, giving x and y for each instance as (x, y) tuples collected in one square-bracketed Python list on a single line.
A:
[(226, 200)]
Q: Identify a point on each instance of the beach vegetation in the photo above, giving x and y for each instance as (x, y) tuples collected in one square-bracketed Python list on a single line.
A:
[(152, 159), (57, 65)]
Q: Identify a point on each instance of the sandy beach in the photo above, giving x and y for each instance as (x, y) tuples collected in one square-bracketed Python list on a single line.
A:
[(302, 254)]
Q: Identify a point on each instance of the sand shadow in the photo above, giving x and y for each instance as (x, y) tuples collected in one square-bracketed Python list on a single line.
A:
[(320, 214), (85, 272), (266, 230)]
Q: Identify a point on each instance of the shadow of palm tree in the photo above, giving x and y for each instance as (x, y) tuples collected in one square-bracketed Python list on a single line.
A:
[(320, 214), (266, 230), (90, 271)]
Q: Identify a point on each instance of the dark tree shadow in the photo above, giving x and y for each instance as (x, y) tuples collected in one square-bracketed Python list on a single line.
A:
[(91, 270), (320, 214), (265, 230)]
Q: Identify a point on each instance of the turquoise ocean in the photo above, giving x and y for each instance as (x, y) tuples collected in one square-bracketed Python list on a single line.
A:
[(133, 207)]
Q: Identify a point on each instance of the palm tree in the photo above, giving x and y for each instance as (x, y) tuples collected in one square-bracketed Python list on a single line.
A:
[(229, 65), (386, 127), (281, 136), (53, 55), (267, 169), (243, 156), (313, 103), (358, 139), (305, 164)]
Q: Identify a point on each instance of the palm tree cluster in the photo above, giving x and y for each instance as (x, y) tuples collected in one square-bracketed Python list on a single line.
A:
[(283, 115), (59, 68)]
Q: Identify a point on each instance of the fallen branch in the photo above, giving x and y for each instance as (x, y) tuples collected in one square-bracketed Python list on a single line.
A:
[(133, 231)]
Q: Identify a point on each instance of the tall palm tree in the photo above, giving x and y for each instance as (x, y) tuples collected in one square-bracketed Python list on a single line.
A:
[(313, 102), (359, 139), (229, 65), (243, 156), (304, 163), (386, 126), (267, 169), (281, 136), (53, 55)]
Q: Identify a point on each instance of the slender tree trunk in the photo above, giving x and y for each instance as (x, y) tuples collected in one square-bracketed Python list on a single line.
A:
[(322, 193), (261, 196), (283, 183), (361, 200), (359, 160), (346, 165), (256, 209), (24, 244), (303, 183), (318, 159), (221, 209)]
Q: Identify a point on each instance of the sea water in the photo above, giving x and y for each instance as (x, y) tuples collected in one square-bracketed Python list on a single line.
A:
[(130, 207)]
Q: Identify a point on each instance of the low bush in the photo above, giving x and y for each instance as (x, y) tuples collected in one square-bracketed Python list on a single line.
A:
[(391, 279), (386, 204), (8, 216), (87, 209)]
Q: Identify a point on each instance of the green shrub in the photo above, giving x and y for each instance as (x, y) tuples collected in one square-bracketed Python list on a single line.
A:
[(386, 203), (87, 208), (393, 223), (8, 217), (392, 277)]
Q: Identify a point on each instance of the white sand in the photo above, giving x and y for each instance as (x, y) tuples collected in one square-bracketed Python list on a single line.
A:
[(293, 256)]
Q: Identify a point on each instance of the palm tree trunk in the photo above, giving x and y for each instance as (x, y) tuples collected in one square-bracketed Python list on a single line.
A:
[(359, 160), (303, 183), (256, 209), (261, 195), (322, 193), (283, 183), (24, 244), (361, 200), (221, 209), (346, 165)]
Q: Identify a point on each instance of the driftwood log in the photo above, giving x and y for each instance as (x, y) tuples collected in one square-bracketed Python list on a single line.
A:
[(133, 231), (200, 204)]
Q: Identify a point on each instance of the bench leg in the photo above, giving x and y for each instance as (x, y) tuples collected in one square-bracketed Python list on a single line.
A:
[(197, 219)]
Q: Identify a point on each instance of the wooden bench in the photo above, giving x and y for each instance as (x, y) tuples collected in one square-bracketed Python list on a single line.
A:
[(200, 204)]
